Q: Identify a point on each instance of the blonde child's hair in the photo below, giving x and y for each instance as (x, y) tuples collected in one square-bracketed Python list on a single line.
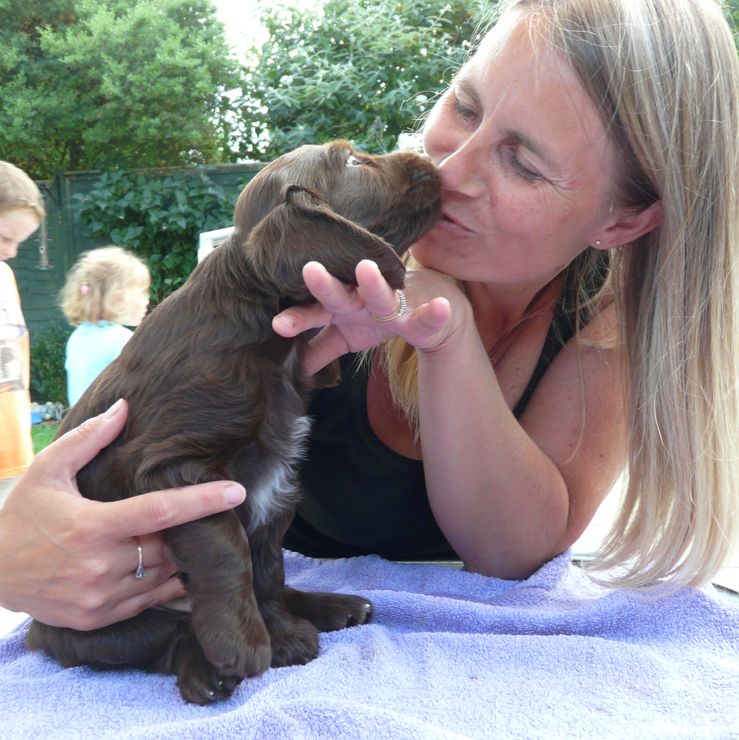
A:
[(18, 192), (100, 283)]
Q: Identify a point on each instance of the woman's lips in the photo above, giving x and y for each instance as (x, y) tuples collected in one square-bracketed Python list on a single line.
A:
[(451, 224)]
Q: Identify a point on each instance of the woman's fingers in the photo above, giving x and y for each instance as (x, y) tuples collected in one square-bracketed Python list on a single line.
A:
[(293, 321), (153, 512), (356, 318), (169, 590), (325, 347), (165, 592), (427, 325), (129, 597), (335, 296), (64, 457), (379, 298)]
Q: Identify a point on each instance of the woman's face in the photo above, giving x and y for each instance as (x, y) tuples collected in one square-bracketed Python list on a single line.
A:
[(525, 163)]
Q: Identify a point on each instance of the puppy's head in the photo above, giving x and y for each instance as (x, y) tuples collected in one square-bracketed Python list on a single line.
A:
[(337, 206)]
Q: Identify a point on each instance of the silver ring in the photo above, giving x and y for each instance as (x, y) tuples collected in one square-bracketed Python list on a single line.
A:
[(139, 572), (399, 310)]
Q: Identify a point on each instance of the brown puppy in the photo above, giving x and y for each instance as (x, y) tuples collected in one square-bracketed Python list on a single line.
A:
[(215, 394)]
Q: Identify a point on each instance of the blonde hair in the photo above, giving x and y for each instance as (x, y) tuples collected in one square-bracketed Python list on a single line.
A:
[(100, 284), (18, 192), (665, 75)]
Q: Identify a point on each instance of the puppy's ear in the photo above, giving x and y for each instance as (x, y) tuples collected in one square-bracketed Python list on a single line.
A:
[(303, 228)]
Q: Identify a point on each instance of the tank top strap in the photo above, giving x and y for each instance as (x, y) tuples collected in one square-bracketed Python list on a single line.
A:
[(561, 330)]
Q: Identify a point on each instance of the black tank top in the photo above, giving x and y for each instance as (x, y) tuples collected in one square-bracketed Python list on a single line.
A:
[(359, 496)]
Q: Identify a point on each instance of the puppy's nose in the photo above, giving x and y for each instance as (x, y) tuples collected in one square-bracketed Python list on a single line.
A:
[(424, 180), (419, 176)]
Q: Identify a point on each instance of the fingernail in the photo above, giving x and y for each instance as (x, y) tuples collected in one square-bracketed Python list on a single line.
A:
[(114, 409), (283, 325), (234, 494), (285, 320)]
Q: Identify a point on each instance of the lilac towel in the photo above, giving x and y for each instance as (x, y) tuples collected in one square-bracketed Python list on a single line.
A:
[(449, 655)]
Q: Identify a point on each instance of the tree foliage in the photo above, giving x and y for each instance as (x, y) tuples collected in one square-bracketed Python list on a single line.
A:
[(156, 216), (95, 84), (732, 11), (359, 69), (102, 84), (48, 374)]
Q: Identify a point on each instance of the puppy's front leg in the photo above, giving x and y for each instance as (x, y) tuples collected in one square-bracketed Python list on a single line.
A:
[(294, 640), (214, 557), (293, 617)]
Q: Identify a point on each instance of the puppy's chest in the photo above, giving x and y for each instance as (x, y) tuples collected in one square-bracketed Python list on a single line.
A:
[(271, 482), (268, 466)]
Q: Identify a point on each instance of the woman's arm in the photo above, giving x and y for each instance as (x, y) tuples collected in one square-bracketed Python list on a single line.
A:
[(507, 494), (511, 494), (69, 561)]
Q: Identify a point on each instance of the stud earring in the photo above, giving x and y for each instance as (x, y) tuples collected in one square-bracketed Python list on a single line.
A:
[(598, 242)]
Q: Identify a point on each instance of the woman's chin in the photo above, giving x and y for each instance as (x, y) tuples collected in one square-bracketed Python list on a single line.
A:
[(428, 253)]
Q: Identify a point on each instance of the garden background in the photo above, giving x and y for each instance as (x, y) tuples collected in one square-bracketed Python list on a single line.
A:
[(141, 123)]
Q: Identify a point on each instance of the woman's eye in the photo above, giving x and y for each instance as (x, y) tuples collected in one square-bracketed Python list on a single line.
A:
[(463, 109), (516, 165), (525, 172), (464, 112), (352, 161)]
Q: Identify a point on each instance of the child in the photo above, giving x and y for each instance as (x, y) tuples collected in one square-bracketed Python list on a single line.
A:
[(106, 290), (21, 211)]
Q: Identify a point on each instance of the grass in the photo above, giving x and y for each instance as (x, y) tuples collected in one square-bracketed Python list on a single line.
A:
[(42, 434)]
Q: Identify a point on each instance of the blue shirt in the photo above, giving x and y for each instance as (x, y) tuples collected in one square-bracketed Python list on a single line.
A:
[(90, 349)]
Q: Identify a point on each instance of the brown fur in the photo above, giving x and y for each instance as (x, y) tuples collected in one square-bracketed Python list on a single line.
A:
[(215, 394)]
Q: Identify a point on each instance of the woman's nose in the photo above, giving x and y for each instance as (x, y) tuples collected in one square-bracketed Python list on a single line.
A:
[(461, 170)]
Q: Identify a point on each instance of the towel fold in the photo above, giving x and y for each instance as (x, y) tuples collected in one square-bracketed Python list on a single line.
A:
[(449, 654)]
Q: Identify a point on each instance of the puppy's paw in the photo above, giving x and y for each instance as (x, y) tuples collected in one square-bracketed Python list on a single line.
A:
[(200, 682), (329, 611), (294, 640), (237, 644)]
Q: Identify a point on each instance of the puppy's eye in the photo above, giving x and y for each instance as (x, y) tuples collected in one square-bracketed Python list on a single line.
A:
[(352, 161)]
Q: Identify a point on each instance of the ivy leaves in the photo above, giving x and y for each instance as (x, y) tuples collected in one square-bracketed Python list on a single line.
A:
[(158, 217)]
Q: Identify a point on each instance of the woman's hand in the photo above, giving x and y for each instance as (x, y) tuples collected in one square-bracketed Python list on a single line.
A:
[(69, 561), (348, 314)]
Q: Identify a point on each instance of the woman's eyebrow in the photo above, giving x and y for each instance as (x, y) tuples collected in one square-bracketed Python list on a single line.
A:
[(468, 90), (466, 87), (528, 143)]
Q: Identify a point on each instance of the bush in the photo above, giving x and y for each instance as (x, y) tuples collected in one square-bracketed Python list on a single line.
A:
[(158, 218), (48, 376), (365, 70)]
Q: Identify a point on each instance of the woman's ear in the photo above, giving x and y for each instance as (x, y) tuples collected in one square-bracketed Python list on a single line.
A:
[(628, 226)]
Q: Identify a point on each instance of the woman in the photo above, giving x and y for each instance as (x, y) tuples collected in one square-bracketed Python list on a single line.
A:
[(588, 154), (603, 123)]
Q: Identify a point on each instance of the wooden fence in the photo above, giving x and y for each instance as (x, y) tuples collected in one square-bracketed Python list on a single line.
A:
[(43, 261)]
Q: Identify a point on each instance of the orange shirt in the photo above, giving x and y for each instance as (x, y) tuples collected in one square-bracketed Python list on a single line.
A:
[(16, 450)]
